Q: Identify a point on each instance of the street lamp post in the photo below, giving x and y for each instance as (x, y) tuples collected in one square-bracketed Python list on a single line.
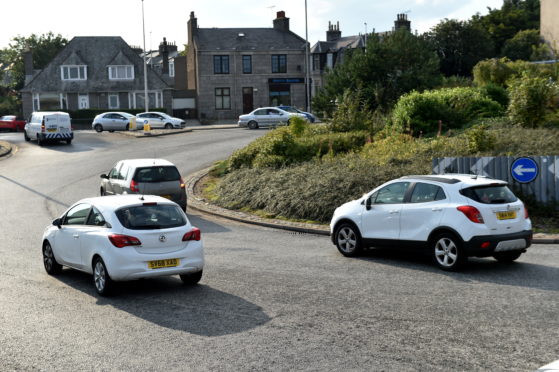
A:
[(307, 62), (145, 62)]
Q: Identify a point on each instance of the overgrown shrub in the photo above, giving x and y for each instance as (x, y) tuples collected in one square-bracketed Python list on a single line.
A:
[(502, 71), (352, 114), (531, 100), (418, 113)]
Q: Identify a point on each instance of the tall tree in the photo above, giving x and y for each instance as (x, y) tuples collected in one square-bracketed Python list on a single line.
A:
[(44, 48), (391, 65), (525, 45), (460, 45)]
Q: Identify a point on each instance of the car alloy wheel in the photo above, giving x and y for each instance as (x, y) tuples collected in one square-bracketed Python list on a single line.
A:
[(348, 240), (252, 125), (101, 279), (98, 128), (51, 266), (447, 252)]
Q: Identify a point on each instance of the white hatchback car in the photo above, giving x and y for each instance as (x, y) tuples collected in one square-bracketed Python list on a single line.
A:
[(159, 120), (124, 237), (453, 216)]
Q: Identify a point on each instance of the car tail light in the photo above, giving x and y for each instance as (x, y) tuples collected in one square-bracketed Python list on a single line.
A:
[(526, 216), (43, 125), (193, 234), (472, 213), (121, 241), (485, 245), (134, 186), (182, 183)]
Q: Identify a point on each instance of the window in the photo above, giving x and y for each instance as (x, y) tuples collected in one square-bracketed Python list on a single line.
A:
[(279, 63), (330, 60), (157, 174), (151, 217), (424, 192), (78, 72), (76, 215), (123, 72), (392, 194), (221, 64), (95, 218), (247, 64), (280, 95), (113, 101), (490, 194), (171, 68), (316, 62), (114, 173), (222, 99)]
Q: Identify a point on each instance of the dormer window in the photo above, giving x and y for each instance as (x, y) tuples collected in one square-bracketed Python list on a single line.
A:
[(121, 72), (73, 72)]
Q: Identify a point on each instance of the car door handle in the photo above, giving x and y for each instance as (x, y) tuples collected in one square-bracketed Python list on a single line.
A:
[(76, 236), (436, 209)]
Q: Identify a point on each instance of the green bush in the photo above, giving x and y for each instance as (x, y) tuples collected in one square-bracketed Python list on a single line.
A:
[(502, 71), (418, 113), (497, 93), (531, 100), (352, 114)]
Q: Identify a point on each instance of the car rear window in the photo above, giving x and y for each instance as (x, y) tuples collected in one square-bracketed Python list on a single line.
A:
[(157, 174), (491, 194), (151, 217)]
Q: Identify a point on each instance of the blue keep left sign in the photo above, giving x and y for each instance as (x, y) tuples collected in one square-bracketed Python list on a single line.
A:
[(524, 170)]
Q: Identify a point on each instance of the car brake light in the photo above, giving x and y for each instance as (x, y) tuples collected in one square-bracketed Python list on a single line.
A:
[(182, 183), (134, 186), (43, 125), (121, 241), (526, 213), (193, 234), (472, 213)]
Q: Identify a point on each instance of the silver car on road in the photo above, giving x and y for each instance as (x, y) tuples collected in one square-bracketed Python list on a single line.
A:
[(112, 121), (267, 117)]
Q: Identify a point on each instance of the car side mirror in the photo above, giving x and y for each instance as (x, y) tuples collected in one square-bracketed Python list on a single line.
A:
[(104, 176), (57, 223), (368, 204)]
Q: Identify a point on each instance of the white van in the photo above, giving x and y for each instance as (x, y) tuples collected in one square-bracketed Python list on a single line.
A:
[(48, 126)]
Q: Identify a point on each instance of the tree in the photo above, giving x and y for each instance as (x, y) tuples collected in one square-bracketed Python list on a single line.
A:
[(525, 45), (515, 15), (390, 66), (44, 47), (460, 45)]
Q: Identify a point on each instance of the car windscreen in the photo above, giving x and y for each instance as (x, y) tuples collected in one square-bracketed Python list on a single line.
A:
[(151, 216), (157, 174), (490, 194)]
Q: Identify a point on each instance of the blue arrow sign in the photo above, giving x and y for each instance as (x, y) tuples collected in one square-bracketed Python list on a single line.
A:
[(524, 170)]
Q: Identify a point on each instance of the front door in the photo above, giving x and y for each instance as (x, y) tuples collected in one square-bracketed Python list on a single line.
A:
[(248, 100), (382, 220), (83, 101)]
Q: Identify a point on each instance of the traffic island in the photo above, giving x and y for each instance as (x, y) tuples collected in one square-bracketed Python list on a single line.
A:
[(197, 202), (5, 148)]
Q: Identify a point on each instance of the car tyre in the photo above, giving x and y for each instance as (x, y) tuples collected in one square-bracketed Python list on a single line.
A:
[(101, 279), (447, 252), (52, 267), (191, 279), (127, 127), (507, 256), (111, 131), (69, 141), (348, 240), (25, 136), (168, 126), (98, 128), (252, 125), (39, 141)]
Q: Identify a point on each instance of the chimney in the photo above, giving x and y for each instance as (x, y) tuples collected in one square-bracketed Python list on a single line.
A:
[(281, 22), (333, 32), (164, 52), (192, 26), (28, 65), (402, 22)]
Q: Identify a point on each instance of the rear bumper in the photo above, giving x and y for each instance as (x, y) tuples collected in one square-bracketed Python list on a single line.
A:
[(498, 243), (56, 136)]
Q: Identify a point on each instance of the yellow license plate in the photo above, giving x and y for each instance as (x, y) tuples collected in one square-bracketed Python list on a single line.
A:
[(51, 129), (507, 215), (159, 264)]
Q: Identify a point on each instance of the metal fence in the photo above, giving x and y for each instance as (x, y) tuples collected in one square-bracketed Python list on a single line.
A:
[(544, 187)]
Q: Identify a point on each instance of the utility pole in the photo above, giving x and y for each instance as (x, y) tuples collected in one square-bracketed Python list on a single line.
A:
[(307, 62), (145, 62)]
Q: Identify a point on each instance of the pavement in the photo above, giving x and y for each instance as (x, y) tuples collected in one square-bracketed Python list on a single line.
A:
[(197, 202)]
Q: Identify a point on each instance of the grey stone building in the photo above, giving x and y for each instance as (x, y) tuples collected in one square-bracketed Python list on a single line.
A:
[(325, 55), (100, 72), (235, 70)]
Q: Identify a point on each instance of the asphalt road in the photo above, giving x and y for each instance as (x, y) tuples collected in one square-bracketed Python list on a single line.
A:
[(269, 299)]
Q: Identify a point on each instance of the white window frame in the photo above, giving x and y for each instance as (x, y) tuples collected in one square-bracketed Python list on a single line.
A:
[(117, 100), (171, 68), (114, 70), (82, 72), (36, 102), (79, 101)]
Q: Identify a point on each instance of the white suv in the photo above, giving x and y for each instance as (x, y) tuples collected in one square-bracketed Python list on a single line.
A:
[(453, 216)]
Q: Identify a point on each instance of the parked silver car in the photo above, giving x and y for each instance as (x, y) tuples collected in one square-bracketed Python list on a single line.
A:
[(112, 121), (159, 120), (267, 117), (145, 176)]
